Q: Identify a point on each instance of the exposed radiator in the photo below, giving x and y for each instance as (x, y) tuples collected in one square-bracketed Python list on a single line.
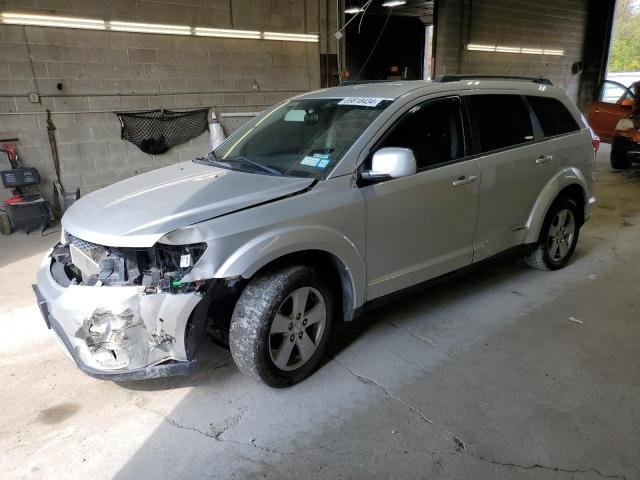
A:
[(86, 256)]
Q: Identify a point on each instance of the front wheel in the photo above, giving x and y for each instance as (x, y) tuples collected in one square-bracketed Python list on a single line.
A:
[(281, 325), (618, 158), (558, 237)]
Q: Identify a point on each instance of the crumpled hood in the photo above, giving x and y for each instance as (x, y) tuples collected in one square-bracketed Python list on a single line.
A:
[(137, 212)]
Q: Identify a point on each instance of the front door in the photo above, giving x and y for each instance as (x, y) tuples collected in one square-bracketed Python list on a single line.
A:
[(613, 102), (422, 226)]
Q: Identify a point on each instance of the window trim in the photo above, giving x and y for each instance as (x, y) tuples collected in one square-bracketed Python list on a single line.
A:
[(403, 112)]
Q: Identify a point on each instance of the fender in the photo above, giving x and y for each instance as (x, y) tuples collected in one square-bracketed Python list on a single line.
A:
[(564, 178), (258, 252)]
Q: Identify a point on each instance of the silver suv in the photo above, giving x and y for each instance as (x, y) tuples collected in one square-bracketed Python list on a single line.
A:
[(311, 211)]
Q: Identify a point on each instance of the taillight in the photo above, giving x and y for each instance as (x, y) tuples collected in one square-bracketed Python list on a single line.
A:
[(595, 141)]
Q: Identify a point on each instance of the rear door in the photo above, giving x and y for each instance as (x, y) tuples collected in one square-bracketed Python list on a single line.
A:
[(513, 165), (613, 102), (563, 133)]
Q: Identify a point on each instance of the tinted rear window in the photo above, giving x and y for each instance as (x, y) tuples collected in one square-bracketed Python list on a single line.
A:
[(502, 121), (553, 116)]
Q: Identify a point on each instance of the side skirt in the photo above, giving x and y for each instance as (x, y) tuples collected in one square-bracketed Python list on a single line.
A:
[(512, 253)]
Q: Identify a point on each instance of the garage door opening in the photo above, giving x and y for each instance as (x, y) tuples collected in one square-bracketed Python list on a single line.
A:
[(389, 43), (624, 55)]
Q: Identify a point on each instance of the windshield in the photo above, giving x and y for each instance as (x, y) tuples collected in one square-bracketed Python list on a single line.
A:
[(299, 138)]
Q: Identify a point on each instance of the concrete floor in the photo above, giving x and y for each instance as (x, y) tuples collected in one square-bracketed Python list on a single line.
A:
[(482, 377)]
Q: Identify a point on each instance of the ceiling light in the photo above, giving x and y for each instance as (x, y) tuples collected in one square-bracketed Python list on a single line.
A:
[(290, 37), (481, 48), (503, 49), (393, 3), (150, 28), (226, 33), (51, 21), (117, 26), (353, 10)]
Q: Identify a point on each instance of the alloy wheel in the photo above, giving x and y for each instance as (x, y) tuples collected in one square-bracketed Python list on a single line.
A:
[(561, 235), (297, 328)]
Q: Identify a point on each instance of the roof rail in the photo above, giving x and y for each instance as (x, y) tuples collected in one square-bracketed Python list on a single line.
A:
[(346, 83), (457, 78)]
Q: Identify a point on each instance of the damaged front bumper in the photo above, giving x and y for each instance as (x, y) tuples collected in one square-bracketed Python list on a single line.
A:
[(118, 333)]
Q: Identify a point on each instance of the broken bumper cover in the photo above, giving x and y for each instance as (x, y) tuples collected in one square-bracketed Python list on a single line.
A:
[(117, 333)]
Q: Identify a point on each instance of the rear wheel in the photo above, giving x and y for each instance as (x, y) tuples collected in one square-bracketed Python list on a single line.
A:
[(558, 237), (281, 325)]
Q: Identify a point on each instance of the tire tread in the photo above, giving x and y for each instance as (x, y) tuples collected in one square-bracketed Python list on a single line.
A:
[(262, 295)]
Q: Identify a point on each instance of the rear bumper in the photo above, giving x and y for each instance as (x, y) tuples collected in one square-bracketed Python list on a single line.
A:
[(117, 333)]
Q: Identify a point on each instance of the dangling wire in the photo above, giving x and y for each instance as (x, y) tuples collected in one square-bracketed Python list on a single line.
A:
[(363, 11), (374, 45)]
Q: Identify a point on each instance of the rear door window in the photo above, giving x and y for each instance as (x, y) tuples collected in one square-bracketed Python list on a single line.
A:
[(553, 116), (501, 121)]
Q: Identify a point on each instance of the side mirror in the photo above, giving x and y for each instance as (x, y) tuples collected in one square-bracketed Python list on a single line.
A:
[(391, 162)]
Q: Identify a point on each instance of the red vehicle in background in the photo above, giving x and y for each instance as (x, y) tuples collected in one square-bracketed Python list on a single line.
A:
[(615, 117)]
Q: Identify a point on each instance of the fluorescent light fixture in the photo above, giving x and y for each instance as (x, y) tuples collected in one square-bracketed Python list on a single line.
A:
[(52, 21), (117, 26), (481, 48), (353, 10), (290, 37), (394, 3), (504, 49), (226, 33), (149, 28)]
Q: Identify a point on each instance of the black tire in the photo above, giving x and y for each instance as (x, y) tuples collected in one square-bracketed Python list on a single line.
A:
[(540, 257), (619, 159), (250, 330)]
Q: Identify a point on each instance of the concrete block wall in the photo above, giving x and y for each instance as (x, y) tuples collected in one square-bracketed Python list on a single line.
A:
[(83, 76), (567, 25)]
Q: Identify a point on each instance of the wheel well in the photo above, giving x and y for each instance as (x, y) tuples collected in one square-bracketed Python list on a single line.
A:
[(331, 267), (575, 193)]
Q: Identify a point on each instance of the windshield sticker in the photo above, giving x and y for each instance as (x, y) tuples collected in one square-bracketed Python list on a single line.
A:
[(310, 161), (318, 160), (361, 101)]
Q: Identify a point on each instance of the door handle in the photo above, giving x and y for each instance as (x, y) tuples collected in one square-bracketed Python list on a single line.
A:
[(543, 159), (464, 180)]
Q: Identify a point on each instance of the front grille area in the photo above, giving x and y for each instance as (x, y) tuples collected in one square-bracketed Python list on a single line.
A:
[(86, 256)]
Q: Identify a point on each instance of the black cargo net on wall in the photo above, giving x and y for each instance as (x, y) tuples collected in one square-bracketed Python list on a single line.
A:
[(156, 131)]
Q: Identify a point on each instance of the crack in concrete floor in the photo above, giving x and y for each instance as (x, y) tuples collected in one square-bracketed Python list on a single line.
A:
[(460, 446)]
